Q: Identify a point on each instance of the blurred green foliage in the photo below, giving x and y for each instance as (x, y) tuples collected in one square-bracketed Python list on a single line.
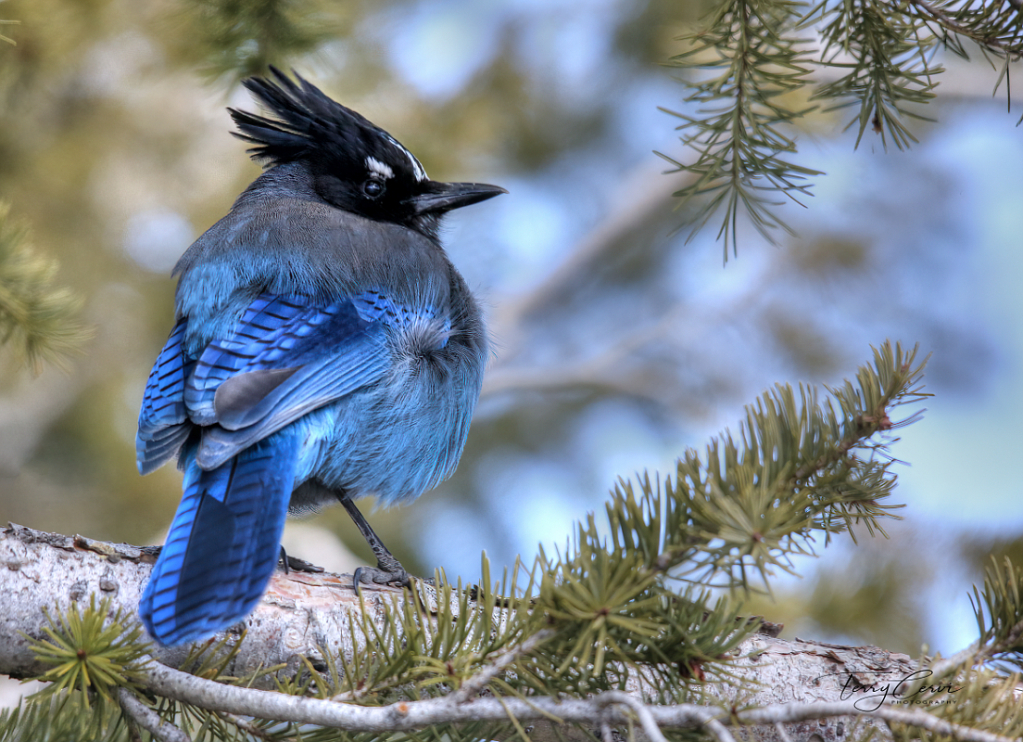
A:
[(239, 38), (36, 318)]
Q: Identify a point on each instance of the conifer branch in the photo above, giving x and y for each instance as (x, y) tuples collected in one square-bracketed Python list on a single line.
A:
[(37, 318), (738, 136), (3, 38), (642, 711), (796, 467), (910, 717), (779, 729), (948, 23), (251, 729), (478, 682), (892, 65), (412, 715), (747, 115), (995, 27), (239, 39), (148, 719), (998, 608)]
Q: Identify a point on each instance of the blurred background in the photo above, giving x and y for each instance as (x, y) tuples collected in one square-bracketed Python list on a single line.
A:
[(618, 344)]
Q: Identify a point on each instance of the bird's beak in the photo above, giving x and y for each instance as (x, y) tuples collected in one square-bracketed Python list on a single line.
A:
[(446, 196)]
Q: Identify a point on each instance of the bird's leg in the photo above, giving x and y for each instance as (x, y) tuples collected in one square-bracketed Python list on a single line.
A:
[(388, 570), (299, 565)]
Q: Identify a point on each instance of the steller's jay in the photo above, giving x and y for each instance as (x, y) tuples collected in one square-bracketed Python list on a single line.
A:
[(325, 349)]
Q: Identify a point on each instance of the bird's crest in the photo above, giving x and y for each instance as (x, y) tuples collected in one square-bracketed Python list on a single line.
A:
[(308, 124)]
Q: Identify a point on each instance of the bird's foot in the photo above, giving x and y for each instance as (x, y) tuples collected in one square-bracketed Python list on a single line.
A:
[(382, 574), (296, 564), (301, 565)]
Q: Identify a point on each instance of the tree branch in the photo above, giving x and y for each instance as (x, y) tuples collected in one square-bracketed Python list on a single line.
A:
[(148, 719), (412, 715), (642, 711), (794, 683), (949, 24), (475, 685)]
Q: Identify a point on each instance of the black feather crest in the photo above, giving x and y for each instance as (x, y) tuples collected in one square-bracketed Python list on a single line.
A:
[(306, 122)]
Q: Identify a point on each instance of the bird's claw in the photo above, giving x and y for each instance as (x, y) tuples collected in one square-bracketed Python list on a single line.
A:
[(300, 565), (380, 576)]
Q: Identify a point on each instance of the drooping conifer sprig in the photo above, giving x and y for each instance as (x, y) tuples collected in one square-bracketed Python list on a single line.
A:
[(889, 58), (748, 111), (996, 28), (757, 65), (37, 319), (240, 39)]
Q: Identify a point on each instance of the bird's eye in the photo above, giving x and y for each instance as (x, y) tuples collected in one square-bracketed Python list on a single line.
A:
[(372, 188)]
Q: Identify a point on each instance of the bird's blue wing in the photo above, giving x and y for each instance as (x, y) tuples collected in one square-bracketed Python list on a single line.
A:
[(286, 357), (163, 421)]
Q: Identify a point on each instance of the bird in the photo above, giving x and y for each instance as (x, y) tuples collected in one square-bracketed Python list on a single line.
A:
[(325, 349)]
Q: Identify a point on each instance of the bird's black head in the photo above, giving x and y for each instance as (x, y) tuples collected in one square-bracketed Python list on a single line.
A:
[(354, 165)]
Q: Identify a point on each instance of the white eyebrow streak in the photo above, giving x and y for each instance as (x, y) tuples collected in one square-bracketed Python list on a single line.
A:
[(417, 167), (382, 169)]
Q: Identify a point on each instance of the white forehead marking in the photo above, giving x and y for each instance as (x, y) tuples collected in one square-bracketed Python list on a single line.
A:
[(382, 169), (417, 166)]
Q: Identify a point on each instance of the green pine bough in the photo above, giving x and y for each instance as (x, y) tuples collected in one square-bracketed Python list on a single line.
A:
[(629, 600)]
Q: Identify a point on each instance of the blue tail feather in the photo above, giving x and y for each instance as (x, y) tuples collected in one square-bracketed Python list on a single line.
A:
[(223, 545)]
